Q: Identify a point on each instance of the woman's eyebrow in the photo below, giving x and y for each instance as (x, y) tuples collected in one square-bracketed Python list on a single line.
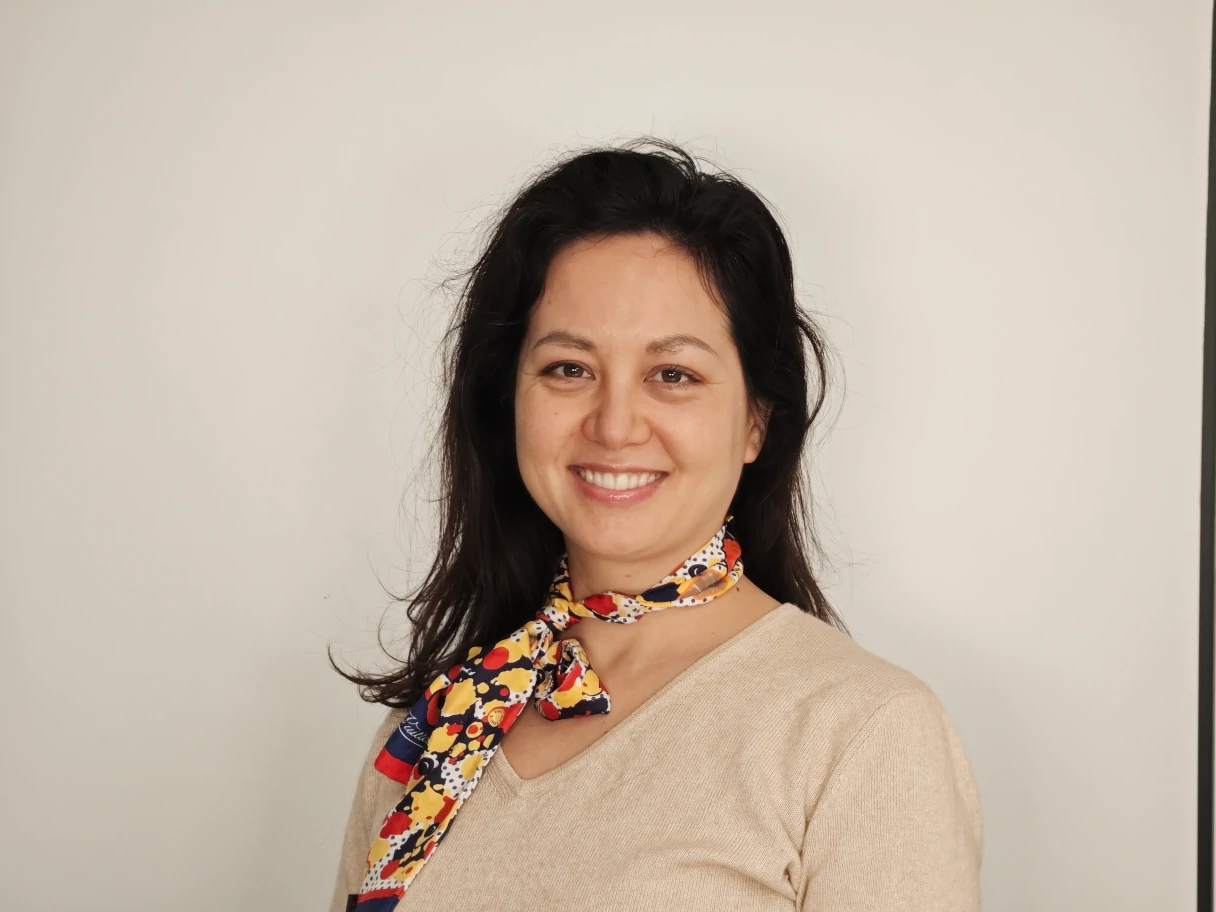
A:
[(568, 339), (673, 343), (663, 345)]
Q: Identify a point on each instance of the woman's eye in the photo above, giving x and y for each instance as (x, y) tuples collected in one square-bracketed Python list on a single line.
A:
[(566, 371), (675, 376)]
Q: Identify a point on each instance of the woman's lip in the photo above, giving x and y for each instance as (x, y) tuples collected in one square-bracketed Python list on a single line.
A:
[(615, 469), (604, 495)]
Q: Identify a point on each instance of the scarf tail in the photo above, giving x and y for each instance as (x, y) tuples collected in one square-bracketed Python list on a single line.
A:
[(443, 745)]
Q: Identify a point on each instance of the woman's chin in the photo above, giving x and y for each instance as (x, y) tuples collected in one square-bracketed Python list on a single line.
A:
[(616, 538)]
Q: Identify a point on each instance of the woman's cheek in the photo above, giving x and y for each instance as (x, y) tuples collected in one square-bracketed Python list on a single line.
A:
[(538, 437), (705, 442), (695, 427), (525, 435)]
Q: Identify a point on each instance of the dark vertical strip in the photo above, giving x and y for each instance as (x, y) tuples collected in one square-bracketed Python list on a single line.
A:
[(1207, 528)]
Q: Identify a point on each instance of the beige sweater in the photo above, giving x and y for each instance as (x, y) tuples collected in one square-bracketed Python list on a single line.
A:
[(788, 769)]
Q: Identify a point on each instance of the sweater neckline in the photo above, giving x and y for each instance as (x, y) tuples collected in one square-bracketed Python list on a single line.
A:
[(504, 777)]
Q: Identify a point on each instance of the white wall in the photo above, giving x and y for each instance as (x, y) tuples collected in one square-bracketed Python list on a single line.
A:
[(215, 223)]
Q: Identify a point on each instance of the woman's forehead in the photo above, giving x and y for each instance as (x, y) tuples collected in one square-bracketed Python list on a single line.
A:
[(629, 284), (623, 258)]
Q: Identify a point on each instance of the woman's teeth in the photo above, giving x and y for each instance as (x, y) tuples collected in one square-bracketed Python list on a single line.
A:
[(617, 482)]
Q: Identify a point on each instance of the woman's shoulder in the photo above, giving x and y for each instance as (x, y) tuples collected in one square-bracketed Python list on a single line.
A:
[(823, 671), (882, 770), (848, 711), (828, 655)]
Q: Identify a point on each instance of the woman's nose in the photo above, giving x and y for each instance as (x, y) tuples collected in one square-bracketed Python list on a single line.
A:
[(617, 417)]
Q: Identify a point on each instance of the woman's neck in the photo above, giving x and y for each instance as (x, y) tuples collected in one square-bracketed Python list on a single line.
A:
[(669, 633), (591, 574)]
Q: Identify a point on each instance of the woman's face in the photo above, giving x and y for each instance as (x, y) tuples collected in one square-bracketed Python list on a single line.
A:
[(631, 414)]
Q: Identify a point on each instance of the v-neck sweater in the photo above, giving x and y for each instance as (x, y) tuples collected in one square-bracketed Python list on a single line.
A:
[(787, 769)]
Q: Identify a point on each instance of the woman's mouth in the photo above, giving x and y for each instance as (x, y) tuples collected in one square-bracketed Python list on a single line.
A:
[(618, 486)]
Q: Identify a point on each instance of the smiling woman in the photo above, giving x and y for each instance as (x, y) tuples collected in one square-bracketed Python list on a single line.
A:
[(626, 414), (628, 373)]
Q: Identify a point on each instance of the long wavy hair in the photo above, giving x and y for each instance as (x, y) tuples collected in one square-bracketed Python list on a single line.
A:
[(497, 552)]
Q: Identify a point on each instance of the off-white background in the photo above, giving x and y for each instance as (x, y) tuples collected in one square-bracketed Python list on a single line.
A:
[(218, 224)]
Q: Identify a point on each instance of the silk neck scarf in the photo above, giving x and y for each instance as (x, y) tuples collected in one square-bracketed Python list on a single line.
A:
[(442, 747)]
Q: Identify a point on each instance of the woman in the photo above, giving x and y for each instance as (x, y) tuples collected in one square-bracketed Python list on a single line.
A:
[(624, 428)]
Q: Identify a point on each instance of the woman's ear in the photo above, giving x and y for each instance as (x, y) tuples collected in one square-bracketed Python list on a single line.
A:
[(757, 426)]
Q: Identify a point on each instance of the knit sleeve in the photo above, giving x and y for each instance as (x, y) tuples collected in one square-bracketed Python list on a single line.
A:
[(896, 827), (359, 821)]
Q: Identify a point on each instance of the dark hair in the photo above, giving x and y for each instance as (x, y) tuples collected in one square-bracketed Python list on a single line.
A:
[(497, 551)]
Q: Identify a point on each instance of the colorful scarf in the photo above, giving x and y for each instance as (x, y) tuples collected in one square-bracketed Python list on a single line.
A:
[(442, 747)]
